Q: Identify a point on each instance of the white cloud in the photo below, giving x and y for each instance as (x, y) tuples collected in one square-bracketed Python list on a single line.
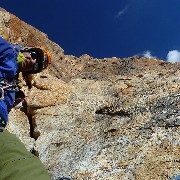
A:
[(121, 12), (147, 54), (173, 56)]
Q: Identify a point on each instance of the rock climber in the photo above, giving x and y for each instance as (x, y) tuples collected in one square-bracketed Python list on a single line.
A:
[(15, 161)]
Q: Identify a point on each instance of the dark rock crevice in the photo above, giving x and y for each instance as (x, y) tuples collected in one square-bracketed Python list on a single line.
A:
[(111, 112)]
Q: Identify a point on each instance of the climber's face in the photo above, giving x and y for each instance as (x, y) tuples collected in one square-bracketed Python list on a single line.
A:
[(30, 60)]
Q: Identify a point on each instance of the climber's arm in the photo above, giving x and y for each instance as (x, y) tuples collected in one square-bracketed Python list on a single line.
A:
[(8, 57)]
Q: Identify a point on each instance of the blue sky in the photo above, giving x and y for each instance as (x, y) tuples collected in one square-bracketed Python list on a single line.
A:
[(106, 28)]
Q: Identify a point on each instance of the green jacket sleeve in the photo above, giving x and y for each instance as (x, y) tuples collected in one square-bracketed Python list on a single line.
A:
[(16, 163)]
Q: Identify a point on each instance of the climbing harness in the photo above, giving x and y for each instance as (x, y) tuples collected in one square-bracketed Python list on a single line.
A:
[(6, 85)]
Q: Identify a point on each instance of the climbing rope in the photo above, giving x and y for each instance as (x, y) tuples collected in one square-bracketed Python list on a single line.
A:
[(8, 86)]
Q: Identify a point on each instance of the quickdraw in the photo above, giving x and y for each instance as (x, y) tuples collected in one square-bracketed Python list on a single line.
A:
[(8, 86)]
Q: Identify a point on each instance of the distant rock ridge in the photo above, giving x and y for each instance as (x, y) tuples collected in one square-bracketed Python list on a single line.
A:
[(89, 118)]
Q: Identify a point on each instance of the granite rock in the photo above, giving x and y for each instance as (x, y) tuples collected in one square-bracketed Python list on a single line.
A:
[(89, 118)]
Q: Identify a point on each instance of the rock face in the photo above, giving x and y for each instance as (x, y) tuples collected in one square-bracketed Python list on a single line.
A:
[(89, 118)]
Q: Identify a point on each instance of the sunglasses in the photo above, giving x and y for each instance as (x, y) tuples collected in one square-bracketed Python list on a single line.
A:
[(33, 55)]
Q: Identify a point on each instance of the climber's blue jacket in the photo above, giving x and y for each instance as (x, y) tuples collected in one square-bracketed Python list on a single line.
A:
[(8, 69)]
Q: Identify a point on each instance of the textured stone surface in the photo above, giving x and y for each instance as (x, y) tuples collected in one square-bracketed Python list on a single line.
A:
[(89, 118)]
